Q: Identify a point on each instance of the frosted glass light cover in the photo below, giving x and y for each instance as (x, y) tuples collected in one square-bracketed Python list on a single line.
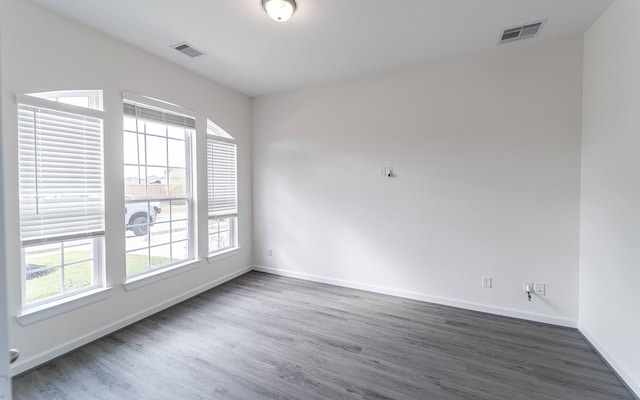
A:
[(279, 10)]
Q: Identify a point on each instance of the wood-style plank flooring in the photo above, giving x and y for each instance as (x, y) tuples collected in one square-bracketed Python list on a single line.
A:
[(268, 337)]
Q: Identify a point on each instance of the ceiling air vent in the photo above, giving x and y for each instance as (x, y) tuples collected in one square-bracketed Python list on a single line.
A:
[(522, 32), (187, 49)]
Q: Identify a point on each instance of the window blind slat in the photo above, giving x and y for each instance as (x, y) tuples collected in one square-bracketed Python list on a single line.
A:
[(60, 170), (153, 115)]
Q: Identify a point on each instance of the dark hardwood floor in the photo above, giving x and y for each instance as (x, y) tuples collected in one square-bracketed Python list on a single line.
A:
[(269, 337)]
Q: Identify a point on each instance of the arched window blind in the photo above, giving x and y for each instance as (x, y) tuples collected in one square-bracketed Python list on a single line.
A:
[(221, 177)]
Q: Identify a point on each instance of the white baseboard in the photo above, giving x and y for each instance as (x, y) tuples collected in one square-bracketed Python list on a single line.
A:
[(97, 334), (632, 385), (421, 297), (58, 351)]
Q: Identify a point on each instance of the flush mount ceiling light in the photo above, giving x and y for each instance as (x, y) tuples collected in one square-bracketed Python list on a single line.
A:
[(279, 10)]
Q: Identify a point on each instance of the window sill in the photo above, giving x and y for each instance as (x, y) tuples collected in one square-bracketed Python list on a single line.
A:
[(223, 254), (161, 274), (49, 310)]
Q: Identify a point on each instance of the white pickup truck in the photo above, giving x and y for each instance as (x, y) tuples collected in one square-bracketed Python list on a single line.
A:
[(138, 217)]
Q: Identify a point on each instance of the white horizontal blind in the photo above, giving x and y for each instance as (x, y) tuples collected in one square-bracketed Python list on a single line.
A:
[(151, 114), (221, 177), (61, 175)]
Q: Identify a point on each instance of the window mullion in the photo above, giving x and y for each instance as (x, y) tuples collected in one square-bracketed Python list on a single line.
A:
[(62, 268)]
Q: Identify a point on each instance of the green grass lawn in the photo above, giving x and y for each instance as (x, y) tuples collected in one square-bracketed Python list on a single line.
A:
[(137, 263), (76, 276)]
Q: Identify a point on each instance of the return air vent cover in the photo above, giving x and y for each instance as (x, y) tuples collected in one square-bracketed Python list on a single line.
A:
[(187, 49), (522, 32)]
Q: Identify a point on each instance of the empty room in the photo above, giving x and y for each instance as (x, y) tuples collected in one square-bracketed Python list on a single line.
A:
[(320, 199)]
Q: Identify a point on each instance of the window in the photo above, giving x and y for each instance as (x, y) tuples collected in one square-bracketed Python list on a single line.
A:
[(82, 98), (157, 174), (61, 191), (222, 189)]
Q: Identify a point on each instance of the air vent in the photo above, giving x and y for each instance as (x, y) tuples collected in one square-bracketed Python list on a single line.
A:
[(522, 32), (187, 49)]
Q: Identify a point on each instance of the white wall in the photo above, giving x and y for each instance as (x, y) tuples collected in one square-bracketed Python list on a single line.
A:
[(610, 209), (41, 52), (486, 152)]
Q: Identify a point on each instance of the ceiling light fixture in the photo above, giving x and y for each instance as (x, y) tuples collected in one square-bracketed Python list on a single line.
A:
[(279, 10)]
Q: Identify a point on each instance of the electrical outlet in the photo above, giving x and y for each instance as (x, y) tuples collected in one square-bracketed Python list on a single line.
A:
[(382, 171), (486, 282), (269, 252), (540, 289)]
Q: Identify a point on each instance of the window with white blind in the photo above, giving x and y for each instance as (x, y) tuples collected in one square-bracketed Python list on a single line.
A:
[(222, 190), (157, 174), (61, 191)]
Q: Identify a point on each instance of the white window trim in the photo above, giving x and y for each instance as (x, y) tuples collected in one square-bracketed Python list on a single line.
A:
[(55, 308), (216, 130), (94, 97), (54, 105), (221, 255), (158, 275)]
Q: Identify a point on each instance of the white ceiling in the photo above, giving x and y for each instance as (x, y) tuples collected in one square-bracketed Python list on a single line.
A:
[(325, 40)]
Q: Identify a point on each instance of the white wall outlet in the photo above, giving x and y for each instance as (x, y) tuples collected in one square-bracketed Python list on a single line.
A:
[(540, 289), (269, 252), (389, 171), (382, 171), (487, 282), (528, 287)]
